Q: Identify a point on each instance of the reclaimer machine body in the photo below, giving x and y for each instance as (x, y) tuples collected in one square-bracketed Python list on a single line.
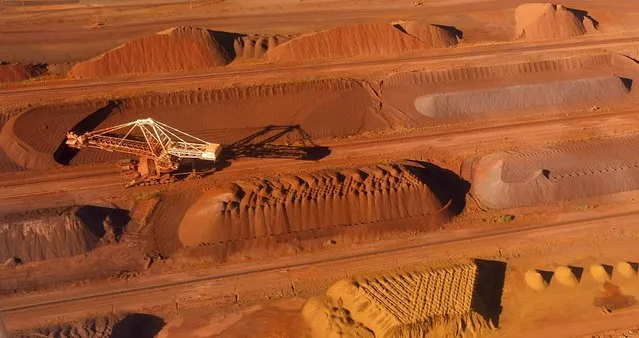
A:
[(159, 147)]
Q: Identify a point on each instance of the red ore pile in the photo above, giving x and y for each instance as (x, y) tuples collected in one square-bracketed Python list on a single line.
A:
[(175, 49), (545, 21), (360, 40), (377, 195), (433, 35)]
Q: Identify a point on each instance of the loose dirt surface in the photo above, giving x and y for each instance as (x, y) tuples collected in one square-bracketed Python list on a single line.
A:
[(387, 168), (46, 234), (279, 318)]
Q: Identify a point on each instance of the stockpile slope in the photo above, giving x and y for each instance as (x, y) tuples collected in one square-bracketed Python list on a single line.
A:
[(260, 208), (45, 234), (18, 150), (15, 72), (256, 46), (453, 86), (408, 304), (476, 73), (30, 138), (175, 49), (472, 102), (544, 21), (433, 35), (347, 41), (542, 175), (321, 109)]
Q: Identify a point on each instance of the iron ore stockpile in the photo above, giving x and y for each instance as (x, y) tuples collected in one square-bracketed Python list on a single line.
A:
[(323, 203), (318, 169)]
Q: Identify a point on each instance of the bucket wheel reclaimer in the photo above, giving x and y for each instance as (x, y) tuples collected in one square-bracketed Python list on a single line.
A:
[(159, 147)]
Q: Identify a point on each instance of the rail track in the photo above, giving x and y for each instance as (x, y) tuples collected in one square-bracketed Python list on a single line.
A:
[(341, 258)]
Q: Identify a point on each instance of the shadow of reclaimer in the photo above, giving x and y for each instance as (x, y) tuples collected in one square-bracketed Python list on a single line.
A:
[(264, 144), (268, 142), (65, 154)]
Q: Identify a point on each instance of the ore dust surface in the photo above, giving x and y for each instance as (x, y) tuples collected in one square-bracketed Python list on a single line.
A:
[(110, 42)]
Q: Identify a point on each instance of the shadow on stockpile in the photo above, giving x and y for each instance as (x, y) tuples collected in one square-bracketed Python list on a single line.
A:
[(138, 325), (270, 142), (65, 154), (445, 184), (583, 16), (488, 289), (94, 217)]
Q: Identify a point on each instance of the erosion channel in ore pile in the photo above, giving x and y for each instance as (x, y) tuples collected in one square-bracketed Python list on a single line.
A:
[(57, 233), (349, 204)]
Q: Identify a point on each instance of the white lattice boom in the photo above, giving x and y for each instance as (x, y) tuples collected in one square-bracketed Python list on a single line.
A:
[(148, 138)]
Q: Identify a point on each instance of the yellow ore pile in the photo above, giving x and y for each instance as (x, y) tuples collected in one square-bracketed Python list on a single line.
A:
[(431, 302)]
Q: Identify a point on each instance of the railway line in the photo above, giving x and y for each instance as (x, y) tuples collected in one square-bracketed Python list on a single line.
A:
[(18, 309)]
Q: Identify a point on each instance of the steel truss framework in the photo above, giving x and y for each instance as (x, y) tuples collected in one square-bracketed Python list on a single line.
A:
[(148, 138)]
